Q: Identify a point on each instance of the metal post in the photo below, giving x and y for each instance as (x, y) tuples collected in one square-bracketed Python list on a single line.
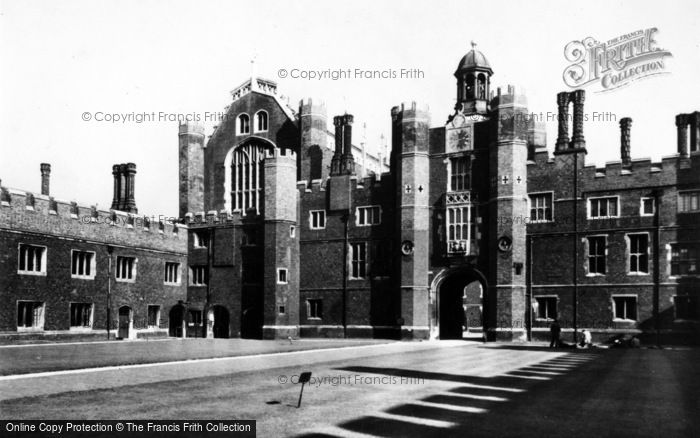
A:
[(345, 218), (109, 290), (575, 249)]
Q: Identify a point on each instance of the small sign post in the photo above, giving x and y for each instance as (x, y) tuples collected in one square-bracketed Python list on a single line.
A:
[(303, 379)]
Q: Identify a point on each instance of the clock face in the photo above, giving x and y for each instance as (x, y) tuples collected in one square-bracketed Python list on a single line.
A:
[(504, 243), (407, 247)]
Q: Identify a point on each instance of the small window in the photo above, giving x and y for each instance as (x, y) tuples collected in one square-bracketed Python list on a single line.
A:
[(546, 308), (599, 208), (314, 309), (261, 121), (596, 255), (30, 315), (82, 264), (153, 316), (639, 253), (317, 219), (126, 268), (687, 307), (685, 259), (280, 310), (689, 202), (647, 207), (370, 215), (200, 239), (81, 315), (625, 308), (541, 207), (292, 231), (282, 276), (243, 124), (172, 273), (358, 260), (32, 259), (198, 275)]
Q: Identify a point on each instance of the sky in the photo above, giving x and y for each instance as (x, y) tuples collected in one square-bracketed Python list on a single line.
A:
[(60, 60)]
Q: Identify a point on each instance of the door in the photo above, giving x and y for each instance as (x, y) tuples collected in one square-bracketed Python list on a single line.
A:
[(125, 322)]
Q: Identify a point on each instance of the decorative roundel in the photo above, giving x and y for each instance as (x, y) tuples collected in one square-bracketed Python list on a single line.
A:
[(407, 247), (504, 243)]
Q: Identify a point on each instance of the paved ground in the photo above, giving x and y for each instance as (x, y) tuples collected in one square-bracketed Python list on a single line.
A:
[(394, 390)]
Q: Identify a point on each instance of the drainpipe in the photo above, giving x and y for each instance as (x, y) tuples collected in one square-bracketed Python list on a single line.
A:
[(657, 264), (109, 290), (528, 296), (575, 249), (205, 311), (345, 218)]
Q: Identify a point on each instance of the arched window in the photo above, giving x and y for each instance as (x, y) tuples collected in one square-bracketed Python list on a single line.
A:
[(243, 124), (247, 177), (261, 121)]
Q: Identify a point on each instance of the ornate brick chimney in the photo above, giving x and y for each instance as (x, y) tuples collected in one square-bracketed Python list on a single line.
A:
[(625, 130), (45, 178)]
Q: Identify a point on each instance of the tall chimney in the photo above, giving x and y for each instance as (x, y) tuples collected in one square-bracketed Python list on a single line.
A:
[(337, 155), (563, 118), (695, 131), (45, 177), (347, 164), (116, 171), (577, 140), (682, 125), (625, 130), (130, 202)]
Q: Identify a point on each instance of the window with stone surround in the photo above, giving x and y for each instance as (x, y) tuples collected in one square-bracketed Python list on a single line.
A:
[(30, 315), (358, 260), (647, 207), (601, 208), (368, 215), (317, 219), (541, 207), (459, 174), (243, 124), (597, 251), (625, 307), (172, 273), (82, 264), (282, 276), (545, 307), (261, 121), (314, 309), (638, 246), (247, 177), (126, 268), (198, 275), (31, 259), (81, 315), (459, 228), (200, 239)]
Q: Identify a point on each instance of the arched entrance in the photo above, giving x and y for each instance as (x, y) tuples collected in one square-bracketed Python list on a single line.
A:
[(126, 322), (458, 297), (221, 322), (176, 321)]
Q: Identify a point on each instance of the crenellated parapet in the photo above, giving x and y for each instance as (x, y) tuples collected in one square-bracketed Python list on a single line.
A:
[(41, 214)]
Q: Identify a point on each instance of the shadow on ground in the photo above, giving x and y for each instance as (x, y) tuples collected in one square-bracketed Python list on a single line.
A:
[(583, 393)]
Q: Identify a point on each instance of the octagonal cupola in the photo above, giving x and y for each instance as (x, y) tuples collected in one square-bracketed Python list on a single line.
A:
[(473, 81)]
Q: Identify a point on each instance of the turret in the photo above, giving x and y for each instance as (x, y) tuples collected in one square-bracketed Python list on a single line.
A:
[(315, 157), (473, 82), (191, 159)]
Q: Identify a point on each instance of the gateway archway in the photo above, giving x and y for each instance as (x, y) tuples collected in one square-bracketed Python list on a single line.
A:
[(459, 304)]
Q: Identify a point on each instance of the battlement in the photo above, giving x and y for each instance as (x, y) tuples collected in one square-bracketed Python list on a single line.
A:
[(411, 110), (190, 128), (513, 95), (32, 212), (358, 185), (308, 107), (211, 218)]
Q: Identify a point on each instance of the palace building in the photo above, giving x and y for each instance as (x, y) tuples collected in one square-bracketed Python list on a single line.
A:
[(290, 229)]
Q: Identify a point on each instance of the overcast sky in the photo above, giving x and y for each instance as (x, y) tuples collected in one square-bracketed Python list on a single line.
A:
[(61, 59)]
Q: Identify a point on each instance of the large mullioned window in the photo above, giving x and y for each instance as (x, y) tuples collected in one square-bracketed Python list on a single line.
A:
[(247, 177)]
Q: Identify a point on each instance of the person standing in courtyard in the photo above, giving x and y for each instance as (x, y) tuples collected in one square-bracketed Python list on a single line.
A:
[(555, 330)]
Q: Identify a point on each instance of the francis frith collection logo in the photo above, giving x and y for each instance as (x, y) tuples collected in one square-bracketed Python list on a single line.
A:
[(614, 63)]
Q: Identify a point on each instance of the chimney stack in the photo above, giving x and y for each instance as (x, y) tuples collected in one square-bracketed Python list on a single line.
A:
[(347, 164), (682, 125), (625, 146), (45, 177), (338, 153), (124, 180)]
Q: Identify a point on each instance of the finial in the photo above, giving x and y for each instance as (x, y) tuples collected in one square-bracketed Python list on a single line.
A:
[(473, 45)]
